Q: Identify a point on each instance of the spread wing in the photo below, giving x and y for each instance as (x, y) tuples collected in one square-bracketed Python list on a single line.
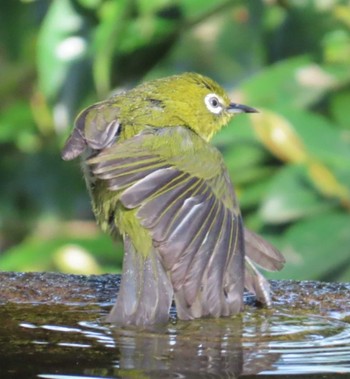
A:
[(181, 193), (93, 129)]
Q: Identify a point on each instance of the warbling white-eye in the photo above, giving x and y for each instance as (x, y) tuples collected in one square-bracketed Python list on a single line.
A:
[(154, 179)]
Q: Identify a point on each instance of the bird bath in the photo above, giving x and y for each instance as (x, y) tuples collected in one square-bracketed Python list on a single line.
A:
[(52, 326)]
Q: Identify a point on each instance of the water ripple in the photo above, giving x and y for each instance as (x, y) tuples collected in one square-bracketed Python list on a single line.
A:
[(257, 342), (301, 344)]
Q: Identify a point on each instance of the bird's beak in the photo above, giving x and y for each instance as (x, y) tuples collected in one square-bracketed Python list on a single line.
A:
[(240, 108)]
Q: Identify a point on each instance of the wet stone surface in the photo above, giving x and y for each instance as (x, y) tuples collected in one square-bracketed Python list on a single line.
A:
[(62, 288), (58, 288), (52, 326)]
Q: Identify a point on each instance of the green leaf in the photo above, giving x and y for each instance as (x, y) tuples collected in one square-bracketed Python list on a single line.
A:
[(316, 247), (321, 137), (290, 197), (110, 34), (195, 8), (62, 56), (336, 45), (251, 195), (35, 254), (244, 156), (16, 122), (340, 108), (295, 82)]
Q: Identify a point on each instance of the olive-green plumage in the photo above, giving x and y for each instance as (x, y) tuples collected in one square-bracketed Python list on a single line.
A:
[(154, 178)]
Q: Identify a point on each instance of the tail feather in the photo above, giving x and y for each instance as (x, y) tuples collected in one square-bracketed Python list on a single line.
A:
[(146, 291), (256, 283), (145, 294), (262, 252)]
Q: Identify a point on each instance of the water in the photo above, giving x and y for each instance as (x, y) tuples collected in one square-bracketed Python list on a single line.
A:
[(52, 326), (56, 341)]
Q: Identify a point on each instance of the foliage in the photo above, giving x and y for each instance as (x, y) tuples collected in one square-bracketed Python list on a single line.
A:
[(290, 163)]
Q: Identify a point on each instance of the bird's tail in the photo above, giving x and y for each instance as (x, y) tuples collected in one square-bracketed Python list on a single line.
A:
[(260, 252), (145, 293)]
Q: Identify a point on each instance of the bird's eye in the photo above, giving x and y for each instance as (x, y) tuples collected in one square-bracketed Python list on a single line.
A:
[(213, 103)]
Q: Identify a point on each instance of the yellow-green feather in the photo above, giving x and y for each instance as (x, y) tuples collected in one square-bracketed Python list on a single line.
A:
[(154, 179)]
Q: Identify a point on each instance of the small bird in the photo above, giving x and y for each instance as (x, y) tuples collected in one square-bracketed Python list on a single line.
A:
[(155, 180)]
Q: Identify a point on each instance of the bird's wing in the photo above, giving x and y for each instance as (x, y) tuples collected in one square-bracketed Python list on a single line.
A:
[(102, 131), (182, 194), (262, 252)]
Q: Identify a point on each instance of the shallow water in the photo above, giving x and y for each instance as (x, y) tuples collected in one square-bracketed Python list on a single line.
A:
[(71, 341)]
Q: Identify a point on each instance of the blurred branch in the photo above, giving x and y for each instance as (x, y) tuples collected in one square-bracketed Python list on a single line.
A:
[(118, 14), (210, 13)]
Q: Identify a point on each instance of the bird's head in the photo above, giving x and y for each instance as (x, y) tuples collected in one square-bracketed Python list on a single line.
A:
[(194, 101), (190, 100)]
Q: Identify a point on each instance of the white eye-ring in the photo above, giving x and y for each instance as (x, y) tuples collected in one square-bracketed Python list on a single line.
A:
[(213, 103)]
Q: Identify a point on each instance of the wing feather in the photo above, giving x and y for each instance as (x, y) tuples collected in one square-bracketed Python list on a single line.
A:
[(262, 252), (191, 237), (127, 164), (233, 284), (149, 186), (190, 213), (196, 268), (119, 182), (191, 200), (150, 211), (217, 265), (162, 209)]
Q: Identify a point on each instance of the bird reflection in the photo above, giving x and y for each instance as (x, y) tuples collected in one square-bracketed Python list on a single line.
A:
[(205, 348)]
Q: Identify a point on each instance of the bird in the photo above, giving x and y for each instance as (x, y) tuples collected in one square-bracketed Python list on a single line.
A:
[(155, 180)]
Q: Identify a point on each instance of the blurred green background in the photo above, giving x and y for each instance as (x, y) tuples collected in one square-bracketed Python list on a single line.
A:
[(290, 163)]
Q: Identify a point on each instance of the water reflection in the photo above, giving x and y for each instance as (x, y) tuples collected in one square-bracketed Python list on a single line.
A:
[(50, 342), (206, 348), (305, 343)]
